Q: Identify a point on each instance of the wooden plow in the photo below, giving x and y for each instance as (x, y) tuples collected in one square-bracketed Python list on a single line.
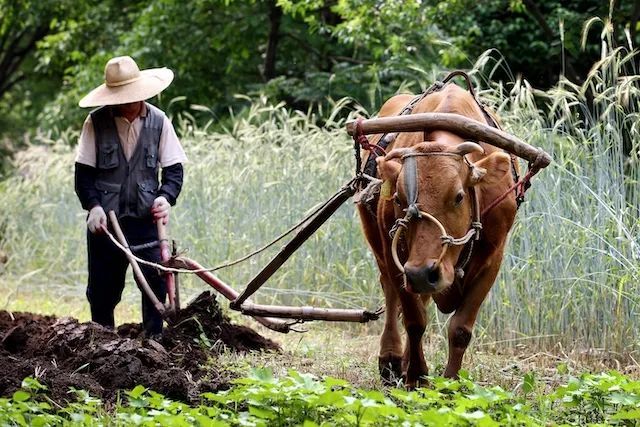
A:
[(282, 318)]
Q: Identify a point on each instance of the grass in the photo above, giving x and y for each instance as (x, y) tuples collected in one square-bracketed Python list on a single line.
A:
[(352, 355)]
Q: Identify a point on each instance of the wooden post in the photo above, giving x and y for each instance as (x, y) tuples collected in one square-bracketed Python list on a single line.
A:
[(174, 253), (461, 125)]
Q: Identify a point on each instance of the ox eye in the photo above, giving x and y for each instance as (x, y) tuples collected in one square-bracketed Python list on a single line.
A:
[(459, 198)]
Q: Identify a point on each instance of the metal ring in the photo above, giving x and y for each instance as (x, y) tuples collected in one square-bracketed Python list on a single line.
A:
[(396, 238), (394, 248)]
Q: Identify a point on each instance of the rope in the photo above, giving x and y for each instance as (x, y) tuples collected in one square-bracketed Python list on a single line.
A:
[(452, 241), (239, 260), (521, 185), (361, 139)]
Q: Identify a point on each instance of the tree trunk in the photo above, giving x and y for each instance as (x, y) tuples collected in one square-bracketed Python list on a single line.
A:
[(635, 15), (17, 50), (275, 17), (537, 16)]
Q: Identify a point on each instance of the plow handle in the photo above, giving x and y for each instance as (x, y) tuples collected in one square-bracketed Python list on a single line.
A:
[(165, 255)]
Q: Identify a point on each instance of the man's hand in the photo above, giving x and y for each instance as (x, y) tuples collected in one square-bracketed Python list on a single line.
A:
[(161, 209), (96, 220)]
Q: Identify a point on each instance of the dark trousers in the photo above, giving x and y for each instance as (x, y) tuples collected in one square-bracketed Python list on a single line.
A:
[(107, 271)]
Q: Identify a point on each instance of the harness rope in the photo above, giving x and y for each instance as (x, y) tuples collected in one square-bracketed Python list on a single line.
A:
[(227, 264)]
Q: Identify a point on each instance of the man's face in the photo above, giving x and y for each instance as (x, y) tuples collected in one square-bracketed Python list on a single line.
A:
[(130, 109)]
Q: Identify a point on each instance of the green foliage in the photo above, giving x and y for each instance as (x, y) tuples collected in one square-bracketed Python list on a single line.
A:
[(302, 399), (363, 49), (223, 46), (43, 44), (537, 40)]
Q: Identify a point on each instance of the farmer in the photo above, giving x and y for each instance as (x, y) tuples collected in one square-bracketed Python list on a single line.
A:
[(122, 145)]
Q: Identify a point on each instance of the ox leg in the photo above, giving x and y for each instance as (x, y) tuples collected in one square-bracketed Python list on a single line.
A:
[(390, 356), (415, 323), (461, 324)]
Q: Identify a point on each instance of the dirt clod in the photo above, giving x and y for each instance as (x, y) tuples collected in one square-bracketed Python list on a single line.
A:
[(63, 353)]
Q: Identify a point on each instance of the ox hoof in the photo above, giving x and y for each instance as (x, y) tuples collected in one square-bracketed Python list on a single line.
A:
[(450, 373), (412, 384), (390, 368), (413, 381), (416, 376)]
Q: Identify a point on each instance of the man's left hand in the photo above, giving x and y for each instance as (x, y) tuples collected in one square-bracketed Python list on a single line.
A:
[(161, 209)]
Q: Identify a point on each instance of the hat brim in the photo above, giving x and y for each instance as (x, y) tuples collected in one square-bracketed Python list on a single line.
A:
[(151, 82)]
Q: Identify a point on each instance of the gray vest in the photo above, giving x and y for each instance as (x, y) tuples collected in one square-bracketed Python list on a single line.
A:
[(127, 187)]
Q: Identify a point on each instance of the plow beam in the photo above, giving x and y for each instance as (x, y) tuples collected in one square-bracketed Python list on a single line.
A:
[(273, 316), (310, 313), (227, 291), (285, 253), (461, 125)]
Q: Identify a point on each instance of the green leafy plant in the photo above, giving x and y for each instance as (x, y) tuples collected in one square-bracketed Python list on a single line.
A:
[(261, 399)]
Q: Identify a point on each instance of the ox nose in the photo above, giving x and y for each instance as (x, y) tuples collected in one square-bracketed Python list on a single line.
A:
[(423, 279)]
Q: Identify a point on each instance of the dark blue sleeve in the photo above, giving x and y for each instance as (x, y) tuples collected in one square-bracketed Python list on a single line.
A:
[(85, 179), (172, 177)]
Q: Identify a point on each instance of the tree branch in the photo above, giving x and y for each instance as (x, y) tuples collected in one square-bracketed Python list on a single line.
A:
[(5, 54), (635, 15), (333, 58), (5, 87), (15, 56), (533, 9)]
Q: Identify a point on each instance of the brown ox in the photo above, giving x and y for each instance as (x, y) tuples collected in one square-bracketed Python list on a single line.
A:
[(446, 168)]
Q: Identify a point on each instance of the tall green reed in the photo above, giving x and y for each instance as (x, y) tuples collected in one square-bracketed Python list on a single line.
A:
[(572, 269)]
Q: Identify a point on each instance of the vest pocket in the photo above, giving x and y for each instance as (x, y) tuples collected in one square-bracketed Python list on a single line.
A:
[(109, 195), (151, 155), (107, 156), (147, 191)]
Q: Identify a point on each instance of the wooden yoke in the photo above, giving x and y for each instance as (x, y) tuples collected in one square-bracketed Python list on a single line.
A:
[(463, 126)]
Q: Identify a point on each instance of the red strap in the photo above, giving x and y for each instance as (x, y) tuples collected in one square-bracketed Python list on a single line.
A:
[(363, 141), (520, 187)]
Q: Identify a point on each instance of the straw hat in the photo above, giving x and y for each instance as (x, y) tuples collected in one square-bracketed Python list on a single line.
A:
[(124, 83)]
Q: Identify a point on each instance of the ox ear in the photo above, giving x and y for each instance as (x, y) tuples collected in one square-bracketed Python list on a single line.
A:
[(389, 168), (490, 169), (390, 165)]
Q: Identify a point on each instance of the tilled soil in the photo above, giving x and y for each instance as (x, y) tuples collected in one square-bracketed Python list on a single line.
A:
[(63, 353)]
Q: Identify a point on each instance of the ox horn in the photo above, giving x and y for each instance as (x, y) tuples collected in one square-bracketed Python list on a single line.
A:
[(468, 147), (397, 153)]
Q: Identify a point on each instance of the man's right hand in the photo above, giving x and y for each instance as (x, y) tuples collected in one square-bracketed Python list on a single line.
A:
[(97, 218)]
